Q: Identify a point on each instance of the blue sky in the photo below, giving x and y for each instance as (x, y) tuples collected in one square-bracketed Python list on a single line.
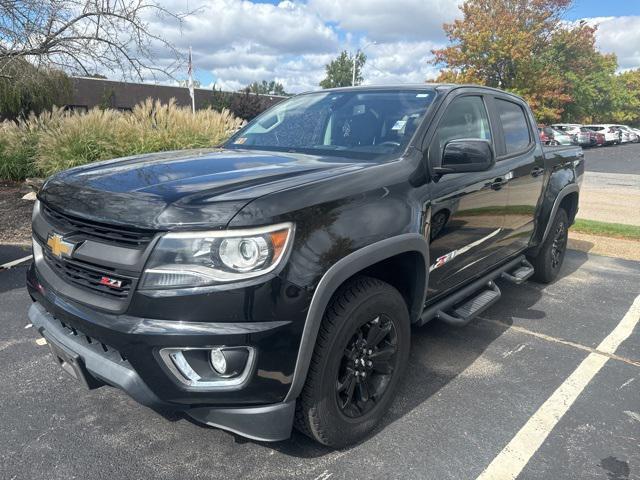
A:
[(236, 42), (603, 8)]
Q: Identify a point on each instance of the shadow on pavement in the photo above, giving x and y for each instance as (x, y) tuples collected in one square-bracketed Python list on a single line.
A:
[(530, 293), (439, 353)]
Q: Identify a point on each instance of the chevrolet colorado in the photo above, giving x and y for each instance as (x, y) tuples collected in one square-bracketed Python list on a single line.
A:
[(273, 281)]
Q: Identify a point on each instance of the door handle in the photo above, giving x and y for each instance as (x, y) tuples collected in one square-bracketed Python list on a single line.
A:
[(537, 171)]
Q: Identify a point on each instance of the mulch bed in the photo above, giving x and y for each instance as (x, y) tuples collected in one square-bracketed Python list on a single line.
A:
[(15, 213)]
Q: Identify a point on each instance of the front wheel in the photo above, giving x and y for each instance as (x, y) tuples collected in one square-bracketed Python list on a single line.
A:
[(548, 261), (360, 356)]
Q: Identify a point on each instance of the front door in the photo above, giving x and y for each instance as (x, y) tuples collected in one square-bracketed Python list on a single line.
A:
[(467, 209)]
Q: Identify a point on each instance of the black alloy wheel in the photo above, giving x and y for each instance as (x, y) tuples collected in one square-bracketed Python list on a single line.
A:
[(368, 363), (559, 245), (361, 353), (548, 261)]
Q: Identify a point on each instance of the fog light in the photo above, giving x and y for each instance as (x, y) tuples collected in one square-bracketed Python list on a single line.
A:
[(218, 361)]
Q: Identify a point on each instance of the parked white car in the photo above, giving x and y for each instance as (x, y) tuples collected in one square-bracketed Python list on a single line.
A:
[(629, 134), (568, 128), (611, 133)]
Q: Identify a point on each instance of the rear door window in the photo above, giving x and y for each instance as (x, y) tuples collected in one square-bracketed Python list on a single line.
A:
[(514, 126)]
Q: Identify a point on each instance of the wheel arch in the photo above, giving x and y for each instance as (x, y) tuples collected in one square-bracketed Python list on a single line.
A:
[(374, 260), (567, 198)]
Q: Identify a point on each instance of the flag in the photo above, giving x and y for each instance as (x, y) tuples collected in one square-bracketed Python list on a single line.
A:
[(190, 83)]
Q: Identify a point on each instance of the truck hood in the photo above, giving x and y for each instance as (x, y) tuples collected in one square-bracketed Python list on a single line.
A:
[(185, 189)]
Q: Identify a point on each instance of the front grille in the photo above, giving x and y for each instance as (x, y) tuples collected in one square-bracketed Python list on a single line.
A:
[(113, 234), (88, 277)]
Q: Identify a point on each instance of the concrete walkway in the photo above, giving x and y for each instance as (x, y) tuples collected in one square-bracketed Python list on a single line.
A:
[(610, 197)]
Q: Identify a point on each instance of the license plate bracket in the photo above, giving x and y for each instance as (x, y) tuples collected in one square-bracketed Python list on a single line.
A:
[(73, 365)]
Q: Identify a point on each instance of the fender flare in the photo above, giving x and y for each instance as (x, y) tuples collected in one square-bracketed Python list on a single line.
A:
[(336, 276), (571, 188)]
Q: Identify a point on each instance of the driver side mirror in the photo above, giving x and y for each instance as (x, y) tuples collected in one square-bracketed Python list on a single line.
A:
[(466, 155)]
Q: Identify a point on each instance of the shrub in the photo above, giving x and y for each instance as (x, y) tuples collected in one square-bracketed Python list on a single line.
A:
[(79, 139), (152, 127), (53, 141), (19, 143), (247, 105), (17, 155)]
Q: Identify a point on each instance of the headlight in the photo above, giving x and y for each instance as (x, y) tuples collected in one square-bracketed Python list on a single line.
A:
[(197, 259)]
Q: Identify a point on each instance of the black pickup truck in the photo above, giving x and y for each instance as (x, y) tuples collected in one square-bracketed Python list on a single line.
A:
[(274, 281)]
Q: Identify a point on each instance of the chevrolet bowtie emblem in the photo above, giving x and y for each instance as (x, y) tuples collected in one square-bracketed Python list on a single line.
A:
[(59, 247)]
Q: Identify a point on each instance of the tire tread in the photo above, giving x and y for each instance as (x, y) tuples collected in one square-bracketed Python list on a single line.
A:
[(307, 419)]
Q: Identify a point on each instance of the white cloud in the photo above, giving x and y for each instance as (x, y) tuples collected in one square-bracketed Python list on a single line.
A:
[(619, 35), (390, 20), (282, 28), (239, 41), (400, 62)]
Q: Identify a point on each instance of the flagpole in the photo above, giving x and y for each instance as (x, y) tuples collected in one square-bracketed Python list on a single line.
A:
[(190, 84)]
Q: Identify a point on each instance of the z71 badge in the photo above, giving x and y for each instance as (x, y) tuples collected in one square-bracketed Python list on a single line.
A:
[(111, 282)]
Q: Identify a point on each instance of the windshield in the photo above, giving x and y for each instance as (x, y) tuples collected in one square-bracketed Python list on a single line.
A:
[(370, 124)]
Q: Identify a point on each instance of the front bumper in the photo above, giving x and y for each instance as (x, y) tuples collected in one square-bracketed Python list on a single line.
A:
[(106, 366), (123, 351)]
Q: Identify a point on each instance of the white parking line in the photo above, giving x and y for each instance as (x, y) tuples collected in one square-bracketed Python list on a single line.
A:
[(13, 263), (515, 456)]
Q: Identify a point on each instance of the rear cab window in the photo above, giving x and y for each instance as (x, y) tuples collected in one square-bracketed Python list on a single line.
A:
[(515, 127)]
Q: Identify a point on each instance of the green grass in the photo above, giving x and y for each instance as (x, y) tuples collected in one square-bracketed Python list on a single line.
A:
[(617, 230)]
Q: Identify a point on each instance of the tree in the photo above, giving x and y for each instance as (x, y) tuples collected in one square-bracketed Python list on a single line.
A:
[(268, 88), (339, 73), (627, 84), (588, 75), (506, 44), (25, 89), (83, 36)]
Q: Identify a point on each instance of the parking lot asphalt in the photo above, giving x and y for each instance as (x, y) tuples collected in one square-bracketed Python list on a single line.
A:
[(624, 159), (467, 393)]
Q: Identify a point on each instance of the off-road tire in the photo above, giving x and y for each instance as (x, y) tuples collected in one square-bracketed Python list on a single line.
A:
[(355, 303), (547, 263)]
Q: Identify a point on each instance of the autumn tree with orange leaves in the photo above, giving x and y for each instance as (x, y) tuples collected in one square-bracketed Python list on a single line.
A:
[(525, 47)]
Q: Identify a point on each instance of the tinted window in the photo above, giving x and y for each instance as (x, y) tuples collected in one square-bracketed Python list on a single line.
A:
[(466, 117), (514, 126)]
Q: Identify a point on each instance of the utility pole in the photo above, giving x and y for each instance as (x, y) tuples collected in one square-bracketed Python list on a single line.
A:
[(355, 59), (353, 75)]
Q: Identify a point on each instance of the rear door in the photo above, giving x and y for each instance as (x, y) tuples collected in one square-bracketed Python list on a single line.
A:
[(522, 157), (467, 209)]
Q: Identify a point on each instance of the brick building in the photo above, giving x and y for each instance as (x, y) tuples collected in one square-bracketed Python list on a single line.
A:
[(92, 92)]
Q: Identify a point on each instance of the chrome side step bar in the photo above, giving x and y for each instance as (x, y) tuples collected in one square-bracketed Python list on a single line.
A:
[(467, 303), (520, 274)]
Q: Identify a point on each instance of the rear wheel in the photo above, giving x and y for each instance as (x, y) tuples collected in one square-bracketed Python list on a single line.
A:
[(360, 356), (548, 262)]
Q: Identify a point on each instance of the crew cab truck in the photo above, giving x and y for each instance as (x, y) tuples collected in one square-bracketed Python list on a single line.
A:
[(274, 281)]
